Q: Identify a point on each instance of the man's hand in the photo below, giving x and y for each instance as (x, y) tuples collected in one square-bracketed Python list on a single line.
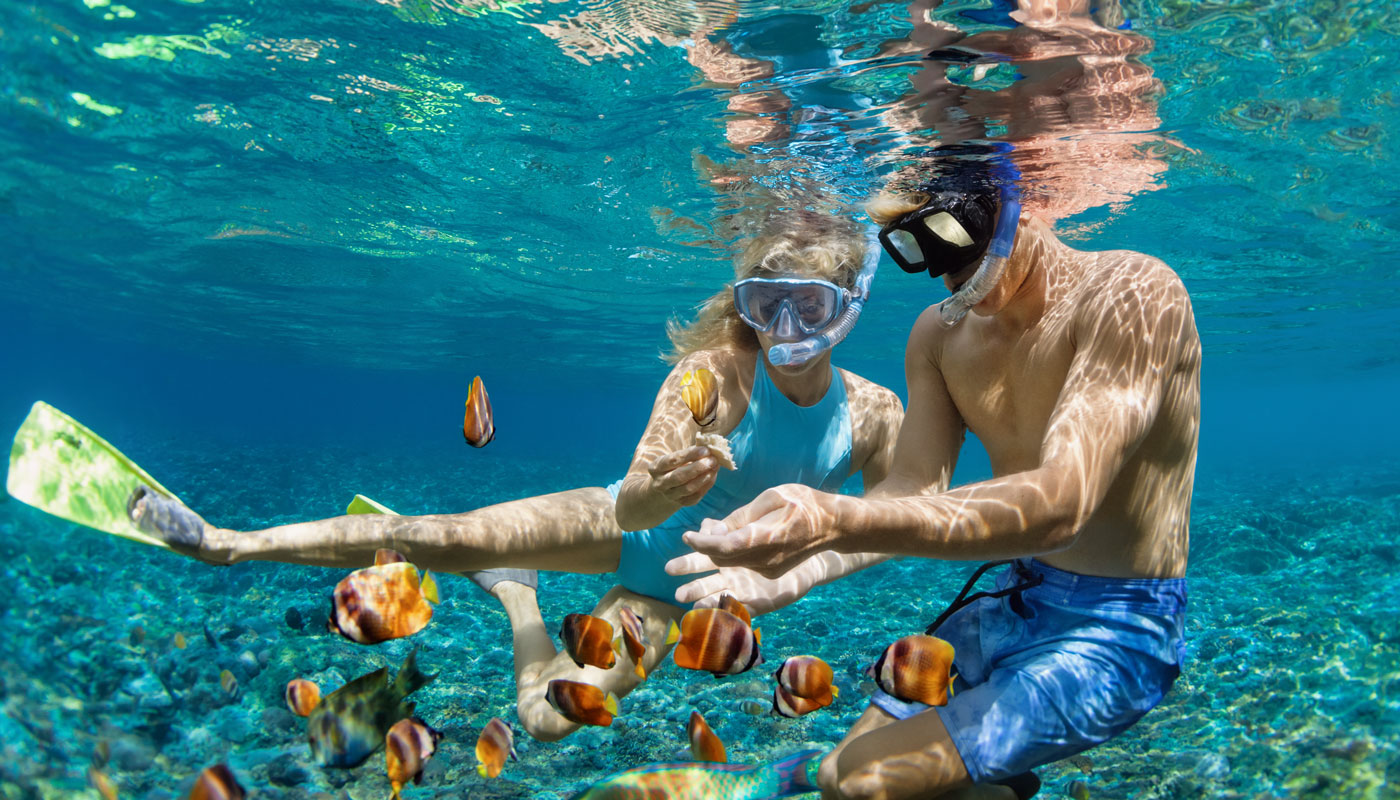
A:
[(759, 594), (777, 531)]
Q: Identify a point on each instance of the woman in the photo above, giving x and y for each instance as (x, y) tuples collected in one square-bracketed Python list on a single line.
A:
[(807, 423)]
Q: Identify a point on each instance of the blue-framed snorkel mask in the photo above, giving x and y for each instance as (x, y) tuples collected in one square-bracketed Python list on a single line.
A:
[(810, 319)]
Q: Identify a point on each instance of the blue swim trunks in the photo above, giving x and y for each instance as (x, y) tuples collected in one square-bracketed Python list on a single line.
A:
[(1056, 669)]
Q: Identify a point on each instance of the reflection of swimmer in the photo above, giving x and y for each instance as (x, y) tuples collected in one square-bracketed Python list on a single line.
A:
[(807, 423), (1080, 374)]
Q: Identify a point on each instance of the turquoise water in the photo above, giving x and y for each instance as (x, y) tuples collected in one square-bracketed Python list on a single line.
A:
[(263, 247)]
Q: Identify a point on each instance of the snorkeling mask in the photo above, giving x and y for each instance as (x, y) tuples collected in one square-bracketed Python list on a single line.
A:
[(960, 223), (789, 307)]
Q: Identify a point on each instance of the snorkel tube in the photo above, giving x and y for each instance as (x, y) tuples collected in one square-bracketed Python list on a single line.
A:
[(804, 350), (952, 310)]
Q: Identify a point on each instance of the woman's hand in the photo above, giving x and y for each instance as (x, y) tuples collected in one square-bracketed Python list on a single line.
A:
[(684, 476), (781, 528), (759, 594)]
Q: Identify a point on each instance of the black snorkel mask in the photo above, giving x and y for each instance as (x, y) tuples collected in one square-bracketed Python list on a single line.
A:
[(948, 233)]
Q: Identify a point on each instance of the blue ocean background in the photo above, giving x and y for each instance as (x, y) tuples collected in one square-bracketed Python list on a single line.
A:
[(262, 248)]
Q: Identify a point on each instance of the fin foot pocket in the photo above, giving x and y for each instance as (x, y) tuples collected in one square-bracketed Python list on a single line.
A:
[(165, 518), (487, 578)]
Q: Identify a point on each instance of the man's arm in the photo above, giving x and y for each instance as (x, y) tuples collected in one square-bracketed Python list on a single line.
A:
[(1130, 338)]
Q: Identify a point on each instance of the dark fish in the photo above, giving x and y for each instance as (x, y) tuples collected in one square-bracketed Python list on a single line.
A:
[(138, 635), (704, 744), (634, 638), (583, 703), (589, 640), (216, 783), (294, 619), (407, 747), (350, 723), (808, 677), (916, 668), (497, 741), (714, 640), (478, 427), (382, 602)]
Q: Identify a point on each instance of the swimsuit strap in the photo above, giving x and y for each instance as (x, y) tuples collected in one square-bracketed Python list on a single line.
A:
[(1026, 580)]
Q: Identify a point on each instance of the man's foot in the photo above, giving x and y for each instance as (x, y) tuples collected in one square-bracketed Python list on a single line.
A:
[(166, 519), (488, 578)]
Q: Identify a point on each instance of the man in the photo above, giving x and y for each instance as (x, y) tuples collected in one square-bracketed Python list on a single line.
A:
[(1080, 373)]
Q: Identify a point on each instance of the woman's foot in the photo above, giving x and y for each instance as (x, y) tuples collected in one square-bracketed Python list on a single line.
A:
[(166, 519)]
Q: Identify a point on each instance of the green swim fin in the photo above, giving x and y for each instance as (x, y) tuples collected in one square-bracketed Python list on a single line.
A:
[(61, 467), (364, 505)]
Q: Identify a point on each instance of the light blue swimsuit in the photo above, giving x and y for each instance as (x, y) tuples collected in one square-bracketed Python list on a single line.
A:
[(776, 442)]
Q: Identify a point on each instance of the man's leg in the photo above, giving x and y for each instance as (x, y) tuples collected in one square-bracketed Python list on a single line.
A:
[(888, 758), (537, 663), (560, 531)]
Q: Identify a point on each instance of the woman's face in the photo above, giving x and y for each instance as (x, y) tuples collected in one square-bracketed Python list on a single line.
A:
[(800, 302)]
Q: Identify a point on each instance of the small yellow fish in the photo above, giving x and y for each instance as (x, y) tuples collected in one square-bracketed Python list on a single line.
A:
[(1079, 790), (229, 682), (700, 391), (379, 603), (102, 784), (716, 641), (497, 741), (407, 747), (704, 744), (589, 640), (216, 783), (583, 703), (302, 696), (478, 426), (180, 642), (916, 668), (633, 638)]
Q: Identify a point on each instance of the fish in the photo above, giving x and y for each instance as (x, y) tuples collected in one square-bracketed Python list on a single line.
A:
[(383, 602), (350, 723), (478, 427), (583, 703), (700, 391), (179, 641), (787, 704), (138, 635), (808, 677), (716, 641), (302, 696), (752, 707), (633, 638), (730, 603), (589, 640), (229, 683), (407, 747), (497, 741), (102, 784), (1078, 790), (916, 668), (790, 776), (704, 744), (384, 556), (217, 783)]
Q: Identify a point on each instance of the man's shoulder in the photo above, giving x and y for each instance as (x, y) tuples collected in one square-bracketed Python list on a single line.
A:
[(1126, 279)]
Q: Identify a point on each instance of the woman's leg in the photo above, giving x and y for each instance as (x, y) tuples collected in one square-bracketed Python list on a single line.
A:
[(571, 531), (537, 663)]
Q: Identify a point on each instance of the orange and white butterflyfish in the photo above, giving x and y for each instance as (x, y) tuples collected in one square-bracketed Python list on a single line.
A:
[(916, 668), (478, 427), (583, 703), (302, 696), (700, 392), (589, 640), (732, 604), (407, 747), (808, 677), (789, 705), (704, 744), (496, 743), (633, 638), (383, 602), (714, 640), (216, 783)]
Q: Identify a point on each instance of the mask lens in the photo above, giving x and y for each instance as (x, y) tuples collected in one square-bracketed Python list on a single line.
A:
[(907, 245), (812, 304), (946, 227)]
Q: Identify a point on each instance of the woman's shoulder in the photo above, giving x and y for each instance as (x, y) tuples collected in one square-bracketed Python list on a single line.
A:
[(726, 363), (868, 398)]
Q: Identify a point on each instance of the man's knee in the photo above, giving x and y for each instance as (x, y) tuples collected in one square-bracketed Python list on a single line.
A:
[(541, 721)]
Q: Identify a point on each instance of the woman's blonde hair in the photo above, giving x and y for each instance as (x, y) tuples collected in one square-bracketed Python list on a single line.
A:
[(812, 244)]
